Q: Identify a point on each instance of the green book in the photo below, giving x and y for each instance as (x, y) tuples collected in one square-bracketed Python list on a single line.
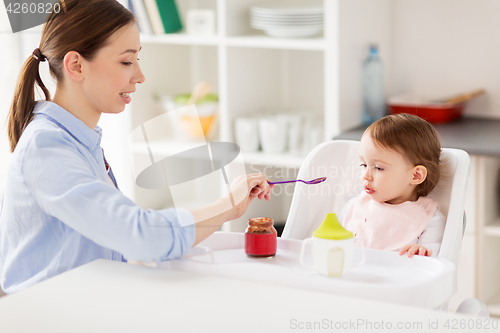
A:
[(163, 15), (169, 15)]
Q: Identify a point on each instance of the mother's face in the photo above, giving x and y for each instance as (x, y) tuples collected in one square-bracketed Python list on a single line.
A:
[(111, 76)]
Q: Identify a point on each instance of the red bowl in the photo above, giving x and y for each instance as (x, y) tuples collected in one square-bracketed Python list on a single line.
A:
[(437, 113)]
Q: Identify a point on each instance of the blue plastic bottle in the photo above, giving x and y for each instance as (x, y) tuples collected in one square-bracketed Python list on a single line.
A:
[(374, 106)]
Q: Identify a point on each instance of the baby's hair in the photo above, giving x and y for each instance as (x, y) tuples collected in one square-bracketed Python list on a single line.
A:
[(415, 139)]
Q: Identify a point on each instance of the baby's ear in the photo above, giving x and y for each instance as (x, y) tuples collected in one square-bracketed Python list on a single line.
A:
[(419, 174)]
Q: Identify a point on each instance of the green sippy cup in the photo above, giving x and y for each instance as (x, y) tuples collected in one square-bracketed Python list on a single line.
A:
[(333, 248)]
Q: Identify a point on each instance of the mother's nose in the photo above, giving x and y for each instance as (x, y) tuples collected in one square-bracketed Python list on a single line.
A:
[(139, 76)]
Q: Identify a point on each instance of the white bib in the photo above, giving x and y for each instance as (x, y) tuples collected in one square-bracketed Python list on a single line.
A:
[(384, 226)]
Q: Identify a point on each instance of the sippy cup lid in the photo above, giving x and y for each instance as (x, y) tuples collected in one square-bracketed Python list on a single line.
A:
[(332, 229)]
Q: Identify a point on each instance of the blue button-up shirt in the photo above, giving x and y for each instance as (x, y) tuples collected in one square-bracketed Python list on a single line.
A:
[(59, 210)]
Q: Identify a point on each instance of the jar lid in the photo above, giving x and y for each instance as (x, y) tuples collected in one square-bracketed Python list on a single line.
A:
[(332, 229), (261, 220)]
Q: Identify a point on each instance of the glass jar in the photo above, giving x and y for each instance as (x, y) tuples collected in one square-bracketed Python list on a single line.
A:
[(260, 238)]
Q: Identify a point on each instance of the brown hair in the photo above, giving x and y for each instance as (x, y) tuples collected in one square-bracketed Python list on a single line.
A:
[(83, 26), (415, 139)]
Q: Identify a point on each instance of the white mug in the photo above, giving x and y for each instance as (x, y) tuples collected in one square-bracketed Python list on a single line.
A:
[(247, 134), (273, 134), (295, 129), (332, 257)]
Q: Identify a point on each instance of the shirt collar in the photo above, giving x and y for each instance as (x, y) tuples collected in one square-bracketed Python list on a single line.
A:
[(74, 126)]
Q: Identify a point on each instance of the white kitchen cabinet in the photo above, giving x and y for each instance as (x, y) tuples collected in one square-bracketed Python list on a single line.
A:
[(488, 232), (478, 272)]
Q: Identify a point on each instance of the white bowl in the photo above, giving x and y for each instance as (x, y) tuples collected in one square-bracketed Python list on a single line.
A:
[(297, 17), (286, 23), (287, 18), (287, 9), (269, 15), (265, 26)]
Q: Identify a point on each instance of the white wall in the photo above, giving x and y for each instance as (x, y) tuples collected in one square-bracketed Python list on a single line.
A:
[(434, 48), (361, 23), (442, 47)]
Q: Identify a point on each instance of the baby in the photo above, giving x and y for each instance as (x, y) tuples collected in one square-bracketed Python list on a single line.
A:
[(399, 157)]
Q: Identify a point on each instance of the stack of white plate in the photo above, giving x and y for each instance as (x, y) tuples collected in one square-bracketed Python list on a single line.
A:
[(287, 21)]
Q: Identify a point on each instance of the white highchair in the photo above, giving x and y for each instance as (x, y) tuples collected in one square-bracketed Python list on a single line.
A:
[(338, 160)]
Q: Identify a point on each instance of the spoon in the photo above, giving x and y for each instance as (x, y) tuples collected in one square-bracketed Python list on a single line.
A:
[(308, 182)]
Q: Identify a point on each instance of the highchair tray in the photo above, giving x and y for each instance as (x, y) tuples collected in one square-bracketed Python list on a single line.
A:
[(385, 276)]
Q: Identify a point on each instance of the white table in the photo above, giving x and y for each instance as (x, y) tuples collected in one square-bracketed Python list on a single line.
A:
[(385, 275), (107, 296)]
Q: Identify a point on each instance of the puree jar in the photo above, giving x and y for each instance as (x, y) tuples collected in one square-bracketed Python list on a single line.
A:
[(260, 238)]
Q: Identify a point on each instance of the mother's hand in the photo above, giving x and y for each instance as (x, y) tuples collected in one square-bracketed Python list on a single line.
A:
[(246, 188), (242, 192)]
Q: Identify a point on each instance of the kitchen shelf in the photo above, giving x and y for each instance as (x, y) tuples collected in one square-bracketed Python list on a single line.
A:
[(180, 39), (260, 41), (256, 41)]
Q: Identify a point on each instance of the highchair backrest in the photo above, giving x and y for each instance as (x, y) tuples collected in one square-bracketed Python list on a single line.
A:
[(338, 160)]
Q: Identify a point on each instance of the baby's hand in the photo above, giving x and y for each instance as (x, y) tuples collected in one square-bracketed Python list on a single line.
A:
[(415, 249)]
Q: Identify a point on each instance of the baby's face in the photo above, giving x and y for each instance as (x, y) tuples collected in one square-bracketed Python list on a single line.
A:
[(385, 173)]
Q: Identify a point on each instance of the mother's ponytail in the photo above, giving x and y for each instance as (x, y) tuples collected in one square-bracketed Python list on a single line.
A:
[(23, 103)]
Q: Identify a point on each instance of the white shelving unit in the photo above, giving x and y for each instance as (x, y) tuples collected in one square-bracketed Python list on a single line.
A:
[(488, 232), (478, 272)]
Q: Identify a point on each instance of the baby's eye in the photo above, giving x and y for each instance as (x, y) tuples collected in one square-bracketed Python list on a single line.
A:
[(363, 165), (378, 168)]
